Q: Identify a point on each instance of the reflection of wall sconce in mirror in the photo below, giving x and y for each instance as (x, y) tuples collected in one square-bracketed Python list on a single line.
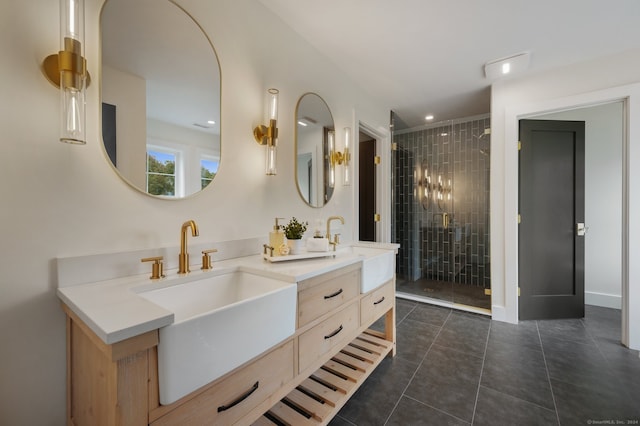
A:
[(67, 70), (426, 188), (339, 158), (443, 191), (268, 135)]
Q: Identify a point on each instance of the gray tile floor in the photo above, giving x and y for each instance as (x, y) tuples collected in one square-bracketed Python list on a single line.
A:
[(454, 368)]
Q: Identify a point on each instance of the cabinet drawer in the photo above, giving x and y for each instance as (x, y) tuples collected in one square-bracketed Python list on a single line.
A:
[(376, 303), (316, 299), (319, 340), (227, 401)]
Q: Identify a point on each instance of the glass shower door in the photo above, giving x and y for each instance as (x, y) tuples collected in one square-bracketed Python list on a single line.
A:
[(440, 196)]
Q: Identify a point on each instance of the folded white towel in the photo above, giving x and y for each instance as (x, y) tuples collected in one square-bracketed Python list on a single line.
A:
[(317, 244)]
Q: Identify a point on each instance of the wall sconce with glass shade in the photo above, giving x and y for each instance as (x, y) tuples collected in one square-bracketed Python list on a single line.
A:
[(67, 70), (347, 157), (339, 158), (268, 135)]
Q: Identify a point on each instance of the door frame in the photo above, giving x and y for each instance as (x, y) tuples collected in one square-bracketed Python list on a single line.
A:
[(383, 179), (630, 96)]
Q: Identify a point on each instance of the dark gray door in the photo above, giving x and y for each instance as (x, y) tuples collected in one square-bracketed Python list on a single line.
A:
[(550, 247), (367, 195)]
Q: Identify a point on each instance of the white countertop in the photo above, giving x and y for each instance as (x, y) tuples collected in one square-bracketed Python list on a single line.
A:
[(115, 312)]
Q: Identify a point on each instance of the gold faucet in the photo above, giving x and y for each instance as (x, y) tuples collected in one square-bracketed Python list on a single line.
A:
[(336, 241), (183, 257)]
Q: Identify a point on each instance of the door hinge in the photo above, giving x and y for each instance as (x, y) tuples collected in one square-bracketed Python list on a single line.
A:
[(487, 292), (519, 218), (376, 159), (518, 291), (519, 145), (394, 146), (376, 217)]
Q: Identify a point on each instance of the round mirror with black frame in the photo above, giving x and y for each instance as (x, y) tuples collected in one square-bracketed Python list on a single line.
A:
[(160, 93), (313, 124)]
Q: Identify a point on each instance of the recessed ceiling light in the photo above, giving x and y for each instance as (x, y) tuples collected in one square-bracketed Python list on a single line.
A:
[(506, 67), (211, 122), (302, 123), (429, 117)]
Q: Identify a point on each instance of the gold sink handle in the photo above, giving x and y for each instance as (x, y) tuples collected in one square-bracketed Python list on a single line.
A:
[(206, 259), (156, 268)]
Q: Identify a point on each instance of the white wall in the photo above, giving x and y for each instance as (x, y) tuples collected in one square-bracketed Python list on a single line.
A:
[(579, 85), (603, 200), (62, 200)]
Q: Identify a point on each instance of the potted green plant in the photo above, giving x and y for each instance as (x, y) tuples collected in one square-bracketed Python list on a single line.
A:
[(294, 230)]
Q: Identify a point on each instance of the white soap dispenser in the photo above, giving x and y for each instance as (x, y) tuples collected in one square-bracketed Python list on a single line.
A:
[(276, 237)]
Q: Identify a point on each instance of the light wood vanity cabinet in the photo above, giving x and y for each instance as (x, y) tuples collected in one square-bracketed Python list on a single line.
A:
[(118, 384)]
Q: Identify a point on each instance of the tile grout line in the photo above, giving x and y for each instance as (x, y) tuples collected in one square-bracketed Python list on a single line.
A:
[(417, 368), (406, 315), (436, 409), (546, 367), (484, 357)]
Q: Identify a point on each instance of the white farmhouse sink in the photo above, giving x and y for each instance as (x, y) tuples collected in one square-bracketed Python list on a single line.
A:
[(378, 265), (221, 321)]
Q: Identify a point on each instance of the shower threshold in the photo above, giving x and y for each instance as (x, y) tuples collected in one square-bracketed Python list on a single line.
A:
[(444, 303)]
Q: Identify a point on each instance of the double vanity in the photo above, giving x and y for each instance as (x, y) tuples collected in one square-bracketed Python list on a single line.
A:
[(247, 342)]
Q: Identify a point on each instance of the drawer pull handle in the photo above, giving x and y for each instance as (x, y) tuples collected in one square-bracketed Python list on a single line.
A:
[(331, 296), (242, 397), (379, 301), (334, 333)]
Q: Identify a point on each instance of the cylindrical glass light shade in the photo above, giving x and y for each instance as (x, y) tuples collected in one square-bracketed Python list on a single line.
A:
[(273, 104), (72, 114), (71, 22), (331, 141), (270, 168), (72, 67), (347, 157)]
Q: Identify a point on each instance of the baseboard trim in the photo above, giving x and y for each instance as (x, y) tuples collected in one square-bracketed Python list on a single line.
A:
[(603, 300)]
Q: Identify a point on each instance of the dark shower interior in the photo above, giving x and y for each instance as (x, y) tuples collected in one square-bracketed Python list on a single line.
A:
[(441, 212)]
